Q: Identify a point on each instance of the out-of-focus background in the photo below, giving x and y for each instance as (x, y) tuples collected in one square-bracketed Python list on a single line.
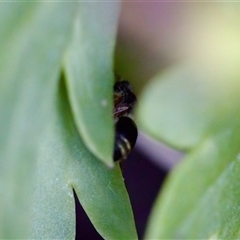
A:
[(154, 38), (147, 43)]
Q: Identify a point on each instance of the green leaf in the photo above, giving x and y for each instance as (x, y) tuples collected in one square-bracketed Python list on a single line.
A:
[(89, 71), (65, 163), (195, 107), (201, 198), (199, 111), (189, 100), (33, 38), (42, 155)]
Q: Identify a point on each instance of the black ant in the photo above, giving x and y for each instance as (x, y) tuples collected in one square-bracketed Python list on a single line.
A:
[(125, 128)]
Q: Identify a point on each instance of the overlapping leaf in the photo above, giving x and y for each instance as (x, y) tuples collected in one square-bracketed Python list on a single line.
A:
[(89, 71), (65, 163), (33, 37), (201, 197), (197, 110), (195, 106), (42, 155)]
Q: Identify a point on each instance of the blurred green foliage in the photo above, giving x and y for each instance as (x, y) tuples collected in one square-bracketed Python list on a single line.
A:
[(193, 105)]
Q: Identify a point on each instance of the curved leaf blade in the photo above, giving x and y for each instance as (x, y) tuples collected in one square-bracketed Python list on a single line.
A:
[(89, 74), (187, 207), (53, 215), (208, 204), (32, 116), (181, 106), (201, 196), (100, 190), (196, 107), (31, 52)]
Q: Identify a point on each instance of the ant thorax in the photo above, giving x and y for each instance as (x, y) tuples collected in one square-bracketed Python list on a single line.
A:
[(124, 99)]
